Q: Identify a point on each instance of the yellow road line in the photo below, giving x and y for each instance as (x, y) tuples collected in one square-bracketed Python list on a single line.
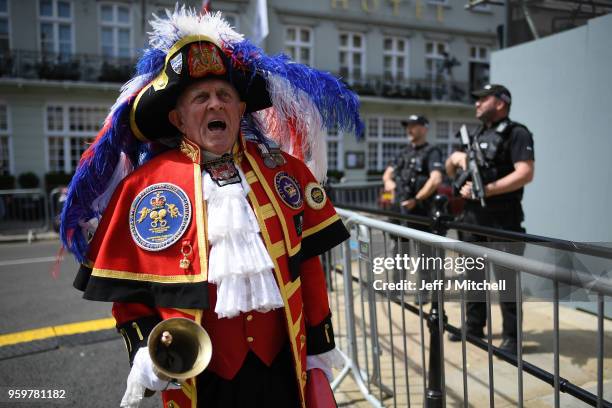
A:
[(54, 331)]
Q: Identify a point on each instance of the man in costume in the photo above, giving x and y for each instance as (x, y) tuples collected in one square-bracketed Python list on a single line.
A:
[(188, 204)]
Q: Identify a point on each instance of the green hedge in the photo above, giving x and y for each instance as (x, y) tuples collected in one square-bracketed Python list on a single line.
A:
[(7, 182), (28, 180), (333, 176)]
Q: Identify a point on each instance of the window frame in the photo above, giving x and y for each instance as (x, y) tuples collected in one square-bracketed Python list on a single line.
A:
[(9, 26), (453, 126), (115, 25), (8, 133), (337, 137), (298, 44), (379, 139), (55, 20), (394, 54), (65, 133), (350, 50), (478, 47), (435, 57)]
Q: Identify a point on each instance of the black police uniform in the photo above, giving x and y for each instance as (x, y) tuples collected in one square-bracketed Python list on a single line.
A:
[(411, 170), (503, 144)]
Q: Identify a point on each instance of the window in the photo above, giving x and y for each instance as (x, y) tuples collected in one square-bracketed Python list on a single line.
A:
[(435, 53), (479, 53), (385, 137), (335, 152), (115, 32), (395, 58), (373, 157), (479, 66), (5, 141), (69, 131), (56, 27), (299, 44), (332, 155), (445, 132), (352, 56), (4, 27), (56, 154)]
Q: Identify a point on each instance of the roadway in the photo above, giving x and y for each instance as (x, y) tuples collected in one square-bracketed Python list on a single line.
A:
[(87, 361)]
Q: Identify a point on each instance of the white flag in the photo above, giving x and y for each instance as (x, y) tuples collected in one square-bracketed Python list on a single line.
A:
[(260, 25), (205, 7)]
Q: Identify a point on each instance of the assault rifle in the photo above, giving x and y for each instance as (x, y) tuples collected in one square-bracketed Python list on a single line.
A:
[(474, 159)]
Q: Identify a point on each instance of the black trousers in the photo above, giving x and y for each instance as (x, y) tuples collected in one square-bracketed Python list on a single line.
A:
[(508, 217), (255, 386)]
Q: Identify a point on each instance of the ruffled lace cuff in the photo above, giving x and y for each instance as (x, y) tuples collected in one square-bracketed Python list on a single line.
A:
[(325, 361)]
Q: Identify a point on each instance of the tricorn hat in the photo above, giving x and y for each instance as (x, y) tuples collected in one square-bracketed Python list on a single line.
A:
[(193, 58)]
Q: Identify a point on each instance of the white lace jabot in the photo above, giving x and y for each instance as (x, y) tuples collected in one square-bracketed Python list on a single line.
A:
[(239, 263)]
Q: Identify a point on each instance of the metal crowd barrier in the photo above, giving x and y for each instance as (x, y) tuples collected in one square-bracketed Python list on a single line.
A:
[(23, 211), (366, 194), (383, 351)]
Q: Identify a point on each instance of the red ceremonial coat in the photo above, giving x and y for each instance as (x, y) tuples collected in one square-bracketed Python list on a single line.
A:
[(297, 223)]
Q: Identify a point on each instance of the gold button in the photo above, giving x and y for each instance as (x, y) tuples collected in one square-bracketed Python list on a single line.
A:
[(249, 318), (304, 376), (250, 339), (303, 339)]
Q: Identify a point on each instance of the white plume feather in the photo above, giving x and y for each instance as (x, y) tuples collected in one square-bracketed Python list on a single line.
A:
[(185, 21)]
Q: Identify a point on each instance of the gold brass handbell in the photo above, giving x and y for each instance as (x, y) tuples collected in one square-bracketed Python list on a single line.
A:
[(179, 348)]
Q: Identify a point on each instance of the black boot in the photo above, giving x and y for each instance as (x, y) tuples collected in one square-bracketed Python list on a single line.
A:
[(508, 345), (474, 332)]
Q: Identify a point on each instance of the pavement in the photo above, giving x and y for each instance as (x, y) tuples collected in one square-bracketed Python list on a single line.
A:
[(52, 339)]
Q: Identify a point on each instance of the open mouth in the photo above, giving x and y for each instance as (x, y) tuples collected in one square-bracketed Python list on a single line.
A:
[(216, 125)]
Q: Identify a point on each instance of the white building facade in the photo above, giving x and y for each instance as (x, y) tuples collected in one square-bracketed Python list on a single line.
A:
[(62, 63)]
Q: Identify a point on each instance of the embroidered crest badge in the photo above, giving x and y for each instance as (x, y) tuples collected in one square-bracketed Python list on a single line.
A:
[(223, 171), (159, 216), (204, 59), (288, 189), (315, 196)]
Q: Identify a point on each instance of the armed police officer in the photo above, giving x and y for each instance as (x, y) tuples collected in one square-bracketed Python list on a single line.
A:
[(506, 153), (414, 176)]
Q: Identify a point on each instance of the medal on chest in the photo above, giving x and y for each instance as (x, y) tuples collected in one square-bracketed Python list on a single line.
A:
[(223, 171)]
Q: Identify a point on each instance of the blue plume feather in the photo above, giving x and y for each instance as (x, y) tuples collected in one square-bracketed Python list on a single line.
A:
[(337, 104), (151, 62)]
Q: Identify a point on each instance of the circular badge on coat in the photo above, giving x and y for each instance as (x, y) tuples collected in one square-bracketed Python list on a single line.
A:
[(288, 189), (315, 196), (159, 216)]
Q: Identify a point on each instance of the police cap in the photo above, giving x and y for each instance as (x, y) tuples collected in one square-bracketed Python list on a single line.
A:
[(497, 90), (415, 120)]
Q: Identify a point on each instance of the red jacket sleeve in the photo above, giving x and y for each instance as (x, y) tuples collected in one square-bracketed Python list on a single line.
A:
[(319, 330), (134, 322)]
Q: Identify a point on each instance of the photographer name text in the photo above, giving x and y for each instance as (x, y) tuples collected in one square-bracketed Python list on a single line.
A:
[(453, 284)]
